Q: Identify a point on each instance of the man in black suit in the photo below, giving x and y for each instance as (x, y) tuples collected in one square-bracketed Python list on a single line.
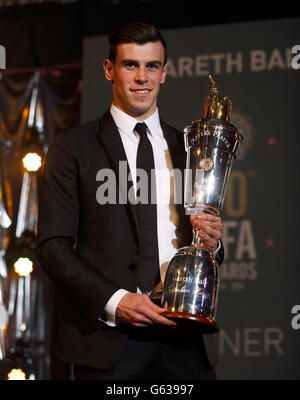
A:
[(108, 257)]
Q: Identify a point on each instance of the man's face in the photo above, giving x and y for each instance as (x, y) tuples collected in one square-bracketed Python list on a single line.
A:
[(136, 76)]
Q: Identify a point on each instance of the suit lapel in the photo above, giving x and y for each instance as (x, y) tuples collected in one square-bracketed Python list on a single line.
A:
[(176, 149), (175, 145), (109, 138)]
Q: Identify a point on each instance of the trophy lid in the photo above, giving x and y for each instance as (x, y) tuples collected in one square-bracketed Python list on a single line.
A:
[(216, 106)]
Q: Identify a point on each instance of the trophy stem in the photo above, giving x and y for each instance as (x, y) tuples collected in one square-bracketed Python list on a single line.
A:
[(197, 241)]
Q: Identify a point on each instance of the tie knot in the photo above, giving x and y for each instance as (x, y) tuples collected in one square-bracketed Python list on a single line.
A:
[(141, 128)]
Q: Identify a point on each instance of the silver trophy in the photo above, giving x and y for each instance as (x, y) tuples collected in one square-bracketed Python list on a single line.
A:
[(191, 283)]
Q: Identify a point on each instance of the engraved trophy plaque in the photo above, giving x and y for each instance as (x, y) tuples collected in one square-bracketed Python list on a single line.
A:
[(191, 282)]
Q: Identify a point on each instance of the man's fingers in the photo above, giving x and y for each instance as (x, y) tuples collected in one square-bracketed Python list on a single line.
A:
[(141, 319), (212, 232), (150, 317), (210, 243), (206, 219), (138, 310), (154, 312), (210, 228)]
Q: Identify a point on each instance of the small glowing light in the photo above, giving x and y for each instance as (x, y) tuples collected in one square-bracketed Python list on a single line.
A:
[(270, 242), (271, 141), (23, 266), (16, 374), (32, 162)]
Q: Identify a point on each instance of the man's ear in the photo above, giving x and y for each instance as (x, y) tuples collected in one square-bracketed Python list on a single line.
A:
[(164, 73), (108, 70)]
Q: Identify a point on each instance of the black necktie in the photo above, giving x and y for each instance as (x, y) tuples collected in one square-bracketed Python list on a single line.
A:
[(149, 274)]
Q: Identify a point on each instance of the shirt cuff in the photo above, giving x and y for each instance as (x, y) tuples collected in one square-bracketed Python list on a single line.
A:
[(109, 317), (218, 248)]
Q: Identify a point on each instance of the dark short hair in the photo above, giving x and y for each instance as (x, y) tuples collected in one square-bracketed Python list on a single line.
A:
[(135, 32)]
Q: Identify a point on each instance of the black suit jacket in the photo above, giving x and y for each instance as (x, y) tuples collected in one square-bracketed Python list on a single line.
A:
[(91, 250)]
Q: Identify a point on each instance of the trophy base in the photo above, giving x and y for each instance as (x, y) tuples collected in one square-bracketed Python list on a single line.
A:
[(194, 321)]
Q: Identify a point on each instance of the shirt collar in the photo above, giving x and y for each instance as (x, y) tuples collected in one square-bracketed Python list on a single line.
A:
[(126, 123)]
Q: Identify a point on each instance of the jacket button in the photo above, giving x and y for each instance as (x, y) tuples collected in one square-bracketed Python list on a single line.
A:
[(131, 267)]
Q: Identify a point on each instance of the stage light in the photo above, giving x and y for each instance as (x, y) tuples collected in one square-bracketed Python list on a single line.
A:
[(16, 374), (23, 266), (16, 368), (32, 162)]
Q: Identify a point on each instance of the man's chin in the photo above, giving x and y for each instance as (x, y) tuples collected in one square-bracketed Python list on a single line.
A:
[(142, 111)]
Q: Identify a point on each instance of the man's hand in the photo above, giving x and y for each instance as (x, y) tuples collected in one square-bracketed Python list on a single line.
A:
[(210, 229), (138, 310)]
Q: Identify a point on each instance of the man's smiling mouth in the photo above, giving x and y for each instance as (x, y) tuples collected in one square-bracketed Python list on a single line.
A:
[(141, 91)]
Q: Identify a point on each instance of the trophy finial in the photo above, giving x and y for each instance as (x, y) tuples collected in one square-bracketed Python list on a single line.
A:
[(215, 105), (213, 86)]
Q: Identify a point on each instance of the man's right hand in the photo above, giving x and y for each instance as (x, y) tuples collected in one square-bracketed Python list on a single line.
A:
[(138, 310)]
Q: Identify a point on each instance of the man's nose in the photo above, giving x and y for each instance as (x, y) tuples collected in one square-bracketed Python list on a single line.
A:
[(141, 75)]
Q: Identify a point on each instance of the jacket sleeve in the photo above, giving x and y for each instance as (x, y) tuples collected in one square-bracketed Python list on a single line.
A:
[(219, 256), (57, 234)]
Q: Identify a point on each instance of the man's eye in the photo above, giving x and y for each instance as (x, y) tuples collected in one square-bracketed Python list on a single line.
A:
[(152, 66), (130, 65)]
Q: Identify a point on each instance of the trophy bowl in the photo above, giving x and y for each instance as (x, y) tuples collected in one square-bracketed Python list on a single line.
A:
[(190, 288), (191, 282)]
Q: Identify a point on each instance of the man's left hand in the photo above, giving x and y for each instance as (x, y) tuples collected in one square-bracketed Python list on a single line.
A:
[(210, 229)]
